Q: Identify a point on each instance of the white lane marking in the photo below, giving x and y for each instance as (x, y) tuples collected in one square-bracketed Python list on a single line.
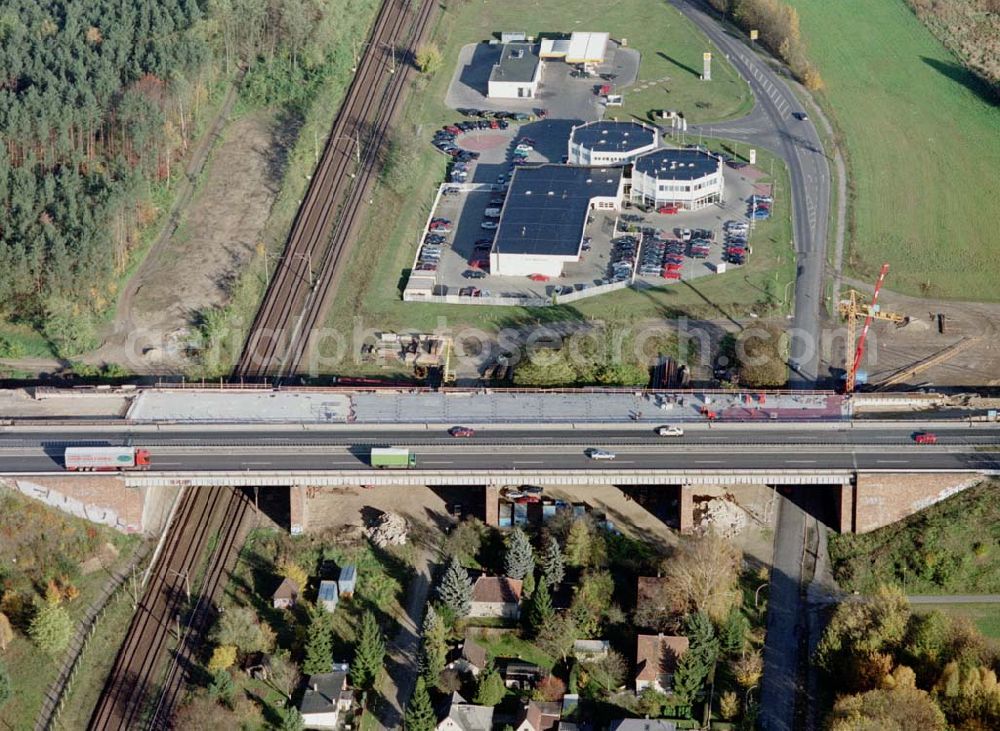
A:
[(428, 461), (708, 461), (257, 463), (800, 461), (892, 461)]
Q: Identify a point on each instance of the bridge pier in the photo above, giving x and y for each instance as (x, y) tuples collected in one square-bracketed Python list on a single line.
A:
[(685, 510), (297, 518)]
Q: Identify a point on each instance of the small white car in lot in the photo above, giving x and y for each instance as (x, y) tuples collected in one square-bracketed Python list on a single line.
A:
[(600, 454), (670, 431)]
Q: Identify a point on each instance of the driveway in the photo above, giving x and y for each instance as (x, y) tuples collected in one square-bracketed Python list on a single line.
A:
[(402, 658)]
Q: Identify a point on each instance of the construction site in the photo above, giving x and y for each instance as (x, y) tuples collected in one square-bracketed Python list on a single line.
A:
[(905, 343)]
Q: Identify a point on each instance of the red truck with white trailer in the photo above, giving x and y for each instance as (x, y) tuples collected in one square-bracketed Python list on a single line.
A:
[(105, 459)]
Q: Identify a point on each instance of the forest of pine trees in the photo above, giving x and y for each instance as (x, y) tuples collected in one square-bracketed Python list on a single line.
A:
[(97, 99)]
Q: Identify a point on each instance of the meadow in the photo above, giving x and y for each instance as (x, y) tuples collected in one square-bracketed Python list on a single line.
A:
[(922, 136)]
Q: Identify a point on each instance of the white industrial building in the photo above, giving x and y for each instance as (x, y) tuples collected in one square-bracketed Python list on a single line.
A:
[(516, 74), (545, 215), (690, 179), (609, 142)]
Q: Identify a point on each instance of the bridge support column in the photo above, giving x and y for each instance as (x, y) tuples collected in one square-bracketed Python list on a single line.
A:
[(296, 510), (685, 510), (491, 495), (848, 502)]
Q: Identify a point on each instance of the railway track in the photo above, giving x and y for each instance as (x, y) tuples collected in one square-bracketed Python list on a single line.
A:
[(144, 686), (138, 692), (298, 293), (200, 620)]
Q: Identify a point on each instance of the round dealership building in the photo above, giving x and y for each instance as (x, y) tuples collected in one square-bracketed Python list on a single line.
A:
[(688, 179)]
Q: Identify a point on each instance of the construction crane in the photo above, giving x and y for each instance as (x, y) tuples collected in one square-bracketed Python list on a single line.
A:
[(872, 309)]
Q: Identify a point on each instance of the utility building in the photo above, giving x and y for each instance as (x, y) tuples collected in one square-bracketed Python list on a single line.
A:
[(516, 74), (545, 216), (690, 179), (610, 142)]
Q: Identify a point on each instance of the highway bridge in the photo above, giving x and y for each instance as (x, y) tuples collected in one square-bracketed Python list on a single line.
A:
[(876, 466), (339, 455)]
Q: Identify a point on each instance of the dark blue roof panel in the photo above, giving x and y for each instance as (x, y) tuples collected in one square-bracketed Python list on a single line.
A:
[(610, 136), (677, 164), (547, 206)]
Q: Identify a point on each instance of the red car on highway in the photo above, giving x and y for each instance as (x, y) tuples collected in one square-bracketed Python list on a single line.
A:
[(462, 431), (925, 437)]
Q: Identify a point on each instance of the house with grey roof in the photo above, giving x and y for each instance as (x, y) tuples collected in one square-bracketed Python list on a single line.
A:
[(326, 698), (464, 716)]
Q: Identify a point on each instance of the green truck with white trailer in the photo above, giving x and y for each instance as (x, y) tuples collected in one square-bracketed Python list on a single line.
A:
[(393, 458)]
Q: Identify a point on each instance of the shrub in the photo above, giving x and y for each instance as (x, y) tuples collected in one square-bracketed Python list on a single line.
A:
[(429, 58), (223, 658)]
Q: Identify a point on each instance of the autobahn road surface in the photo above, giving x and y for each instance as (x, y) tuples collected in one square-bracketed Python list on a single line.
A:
[(770, 124), (958, 448)]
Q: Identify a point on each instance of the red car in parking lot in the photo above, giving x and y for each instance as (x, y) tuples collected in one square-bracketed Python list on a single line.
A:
[(668, 210)]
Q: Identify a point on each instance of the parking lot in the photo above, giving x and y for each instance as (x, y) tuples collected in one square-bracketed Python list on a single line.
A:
[(486, 142), (562, 95), (657, 248)]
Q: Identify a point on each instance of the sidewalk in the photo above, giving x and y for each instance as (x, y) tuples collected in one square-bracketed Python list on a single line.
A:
[(47, 714), (401, 663), (954, 599)]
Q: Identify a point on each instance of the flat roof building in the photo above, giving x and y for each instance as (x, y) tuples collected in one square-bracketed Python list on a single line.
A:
[(688, 178), (516, 74), (608, 142), (543, 221)]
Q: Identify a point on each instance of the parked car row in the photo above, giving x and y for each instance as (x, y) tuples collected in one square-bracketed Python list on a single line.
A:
[(737, 237), (502, 116), (479, 260), (445, 141), (435, 239), (623, 253), (759, 207)]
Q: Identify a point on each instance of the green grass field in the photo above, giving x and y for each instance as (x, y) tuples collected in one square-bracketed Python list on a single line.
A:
[(923, 148), (986, 617), (370, 289)]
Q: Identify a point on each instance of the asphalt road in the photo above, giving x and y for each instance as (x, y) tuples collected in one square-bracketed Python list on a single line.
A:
[(829, 434), (841, 449), (770, 124)]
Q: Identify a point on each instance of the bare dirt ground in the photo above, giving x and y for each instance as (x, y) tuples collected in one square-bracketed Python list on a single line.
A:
[(893, 349), (192, 270)]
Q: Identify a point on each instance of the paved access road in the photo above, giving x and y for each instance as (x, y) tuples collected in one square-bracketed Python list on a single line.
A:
[(772, 126)]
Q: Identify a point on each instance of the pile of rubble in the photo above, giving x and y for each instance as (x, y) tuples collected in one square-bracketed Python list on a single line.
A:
[(390, 530), (724, 517)]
